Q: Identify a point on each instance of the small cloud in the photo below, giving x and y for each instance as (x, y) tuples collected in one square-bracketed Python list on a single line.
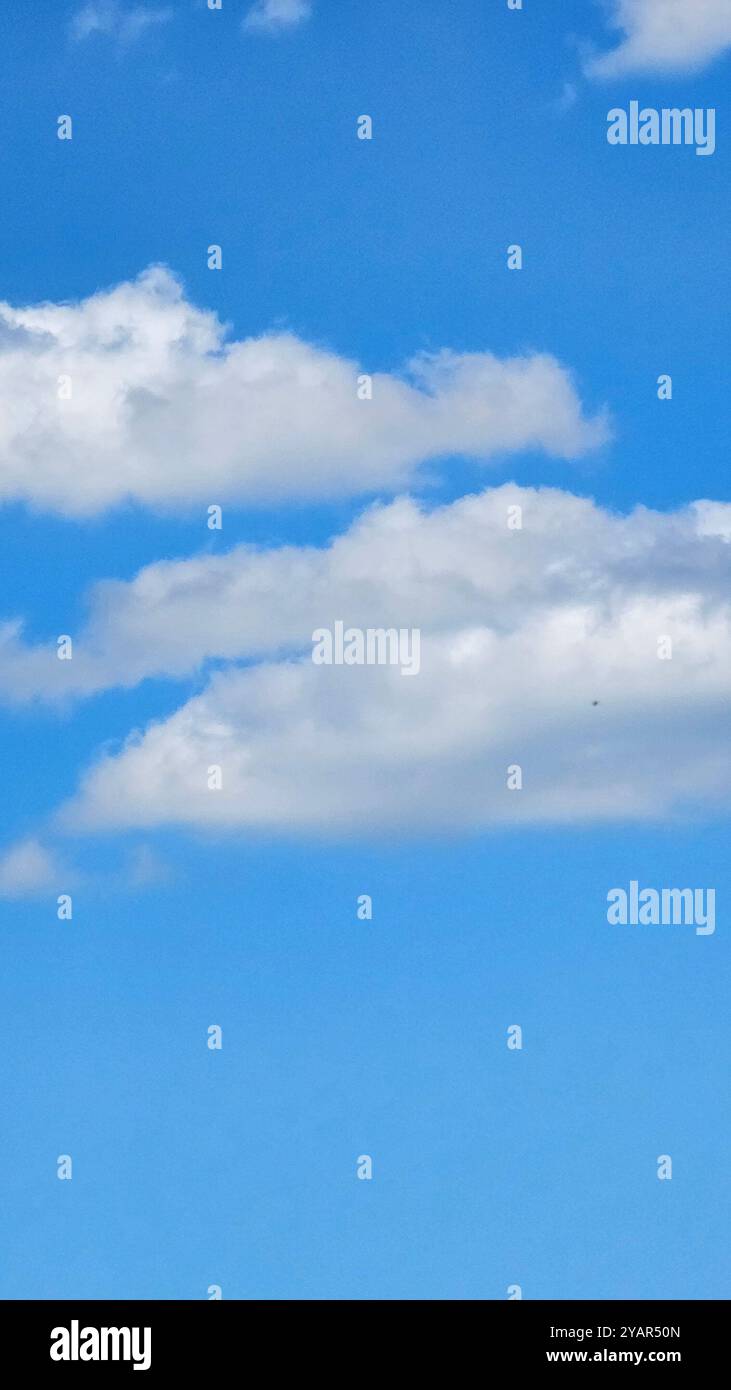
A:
[(145, 868), (272, 16), (117, 22), (26, 869), (673, 36), (568, 97)]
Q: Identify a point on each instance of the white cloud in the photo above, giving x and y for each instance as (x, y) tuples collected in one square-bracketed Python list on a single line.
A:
[(521, 632), (27, 869), (113, 19), (272, 16), (401, 564), (167, 412), (665, 36)]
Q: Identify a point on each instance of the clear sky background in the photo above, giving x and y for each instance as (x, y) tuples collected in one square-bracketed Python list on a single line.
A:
[(491, 1167)]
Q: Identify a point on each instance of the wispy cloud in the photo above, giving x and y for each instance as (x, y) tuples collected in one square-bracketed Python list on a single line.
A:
[(122, 23), (28, 869), (272, 16), (664, 36), (568, 97), (145, 869)]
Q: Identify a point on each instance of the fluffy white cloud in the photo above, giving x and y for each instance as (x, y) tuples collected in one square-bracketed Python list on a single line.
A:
[(272, 16), (167, 412), (27, 868), (522, 630), (402, 564), (665, 36), (118, 22)]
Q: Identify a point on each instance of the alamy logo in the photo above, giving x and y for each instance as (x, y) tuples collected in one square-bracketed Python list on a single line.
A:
[(102, 1344), (371, 646), (669, 126), (667, 907)]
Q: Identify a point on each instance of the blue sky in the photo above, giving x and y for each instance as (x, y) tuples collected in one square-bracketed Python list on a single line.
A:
[(342, 1037)]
